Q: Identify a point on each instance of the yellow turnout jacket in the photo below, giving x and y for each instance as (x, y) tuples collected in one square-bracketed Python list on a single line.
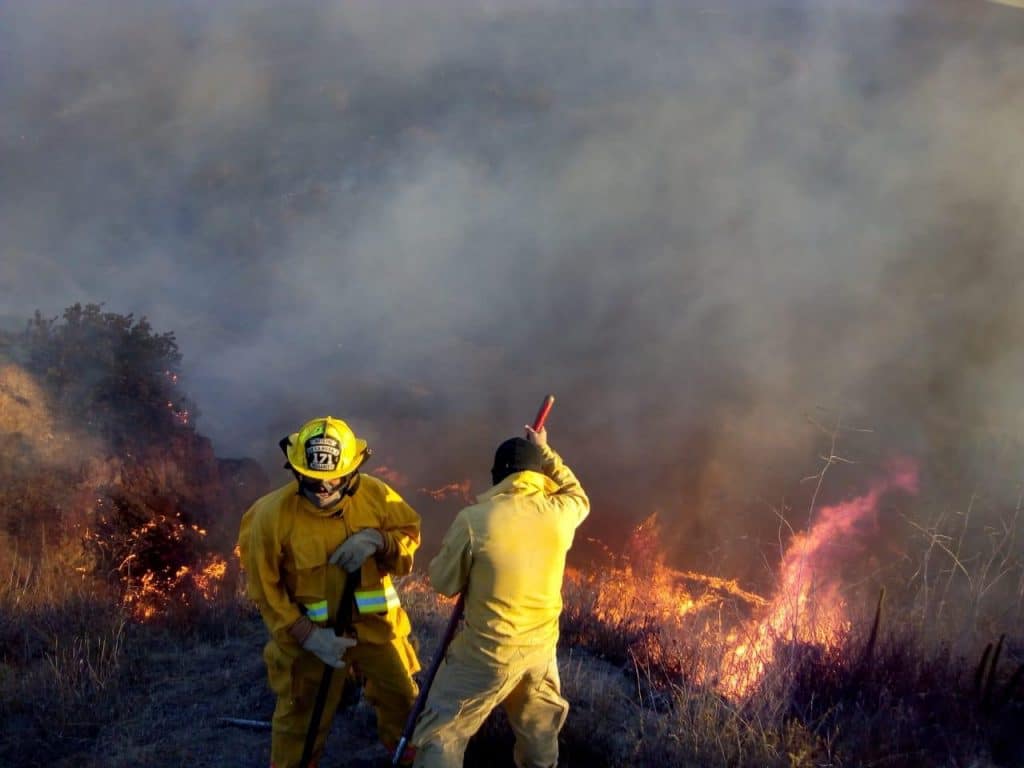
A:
[(508, 553), (284, 543)]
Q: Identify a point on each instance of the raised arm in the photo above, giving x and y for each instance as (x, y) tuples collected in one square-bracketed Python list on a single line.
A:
[(570, 498)]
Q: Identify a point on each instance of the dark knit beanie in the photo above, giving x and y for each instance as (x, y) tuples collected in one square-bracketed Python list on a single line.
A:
[(515, 455)]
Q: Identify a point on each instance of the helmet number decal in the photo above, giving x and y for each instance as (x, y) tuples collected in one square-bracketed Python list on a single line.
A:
[(322, 454)]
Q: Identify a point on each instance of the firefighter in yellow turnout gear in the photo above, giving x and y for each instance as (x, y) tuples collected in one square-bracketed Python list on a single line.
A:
[(507, 553), (298, 545)]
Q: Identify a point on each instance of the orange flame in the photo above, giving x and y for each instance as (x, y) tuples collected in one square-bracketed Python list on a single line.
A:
[(151, 595), (458, 489), (644, 587), (149, 591), (182, 417), (678, 621), (808, 606), (658, 610)]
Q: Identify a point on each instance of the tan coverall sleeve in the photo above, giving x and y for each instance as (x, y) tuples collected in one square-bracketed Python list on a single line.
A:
[(570, 498), (266, 583), (400, 529), (449, 570)]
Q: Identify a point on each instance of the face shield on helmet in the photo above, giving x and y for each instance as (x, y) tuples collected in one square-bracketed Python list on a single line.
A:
[(325, 456)]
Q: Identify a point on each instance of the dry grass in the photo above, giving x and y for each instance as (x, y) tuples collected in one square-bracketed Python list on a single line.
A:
[(71, 656), (637, 700), (62, 661), (83, 684)]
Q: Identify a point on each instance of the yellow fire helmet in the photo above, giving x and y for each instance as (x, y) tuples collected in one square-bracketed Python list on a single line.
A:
[(324, 448)]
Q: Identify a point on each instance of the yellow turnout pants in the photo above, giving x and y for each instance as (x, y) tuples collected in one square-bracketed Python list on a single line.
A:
[(387, 670), (466, 689)]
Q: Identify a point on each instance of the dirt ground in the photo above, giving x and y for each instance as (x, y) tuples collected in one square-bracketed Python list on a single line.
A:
[(173, 719)]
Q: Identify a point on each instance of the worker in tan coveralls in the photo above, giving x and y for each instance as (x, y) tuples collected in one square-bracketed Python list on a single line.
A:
[(507, 552), (298, 545)]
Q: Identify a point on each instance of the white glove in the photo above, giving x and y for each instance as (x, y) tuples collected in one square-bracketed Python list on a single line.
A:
[(355, 550), (328, 647)]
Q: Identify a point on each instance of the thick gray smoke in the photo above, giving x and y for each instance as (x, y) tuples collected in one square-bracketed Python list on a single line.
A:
[(698, 224)]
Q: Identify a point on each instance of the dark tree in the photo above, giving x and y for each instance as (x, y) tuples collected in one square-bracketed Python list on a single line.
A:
[(110, 373)]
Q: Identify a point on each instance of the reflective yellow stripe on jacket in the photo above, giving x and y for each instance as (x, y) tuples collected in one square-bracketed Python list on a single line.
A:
[(317, 611), (377, 600)]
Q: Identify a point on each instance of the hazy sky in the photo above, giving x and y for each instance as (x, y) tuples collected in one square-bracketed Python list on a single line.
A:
[(695, 223)]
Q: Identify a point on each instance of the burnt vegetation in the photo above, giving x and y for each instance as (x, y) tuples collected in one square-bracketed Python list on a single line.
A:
[(115, 650), (111, 507)]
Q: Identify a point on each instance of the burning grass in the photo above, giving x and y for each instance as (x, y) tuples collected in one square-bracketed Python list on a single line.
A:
[(123, 634), (109, 641), (669, 667), (158, 561), (641, 684), (644, 690), (813, 704)]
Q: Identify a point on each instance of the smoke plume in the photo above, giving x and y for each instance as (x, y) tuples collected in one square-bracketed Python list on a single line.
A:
[(716, 231)]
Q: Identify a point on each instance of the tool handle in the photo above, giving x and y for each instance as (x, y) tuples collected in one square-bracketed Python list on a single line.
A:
[(542, 414), (342, 624), (428, 678)]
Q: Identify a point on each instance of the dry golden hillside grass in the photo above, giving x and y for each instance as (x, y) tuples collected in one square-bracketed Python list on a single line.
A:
[(23, 407), (91, 687)]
